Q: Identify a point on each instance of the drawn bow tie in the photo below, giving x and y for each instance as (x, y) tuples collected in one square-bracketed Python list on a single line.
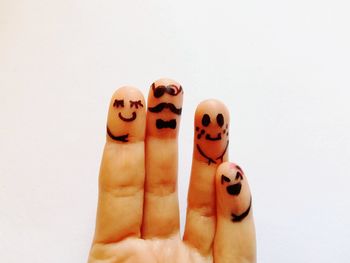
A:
[(166, 124)]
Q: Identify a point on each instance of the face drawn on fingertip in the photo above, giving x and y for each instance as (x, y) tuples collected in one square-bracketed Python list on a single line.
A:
[(211, 138), (126, 115), (234, 184), (165, 106)]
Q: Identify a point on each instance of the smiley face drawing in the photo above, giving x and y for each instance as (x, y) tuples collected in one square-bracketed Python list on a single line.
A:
[(125, 112), (211, 131), (236, 189)]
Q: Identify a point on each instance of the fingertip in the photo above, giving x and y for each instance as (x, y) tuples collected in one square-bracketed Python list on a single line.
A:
[(165, 100), (211, 139), (126, 116), (214, 105), (165, 81), (233, 192)]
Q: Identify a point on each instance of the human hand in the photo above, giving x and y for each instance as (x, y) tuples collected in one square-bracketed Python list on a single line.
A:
[(138, 211)]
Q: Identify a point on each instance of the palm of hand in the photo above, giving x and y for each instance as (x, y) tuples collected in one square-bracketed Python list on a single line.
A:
[(138, 212), (140, 250)]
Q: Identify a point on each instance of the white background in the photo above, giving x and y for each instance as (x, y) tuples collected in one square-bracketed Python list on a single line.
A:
[(282, 68)]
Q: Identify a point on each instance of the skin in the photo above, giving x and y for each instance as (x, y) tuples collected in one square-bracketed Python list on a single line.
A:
[(233, 242), (138, 213), (211, 138)]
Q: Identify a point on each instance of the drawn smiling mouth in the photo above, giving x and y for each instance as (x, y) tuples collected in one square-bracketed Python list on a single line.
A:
[(133, 117), (211, 160), (208, 137), (234, 189)]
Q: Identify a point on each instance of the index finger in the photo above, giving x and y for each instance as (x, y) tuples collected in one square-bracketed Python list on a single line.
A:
[(120, 203)]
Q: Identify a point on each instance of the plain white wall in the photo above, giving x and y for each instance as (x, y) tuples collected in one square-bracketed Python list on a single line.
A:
[(282, 68)]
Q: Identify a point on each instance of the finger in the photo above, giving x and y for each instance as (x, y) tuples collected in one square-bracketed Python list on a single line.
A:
[(235, 231), (121, 180), (210, 149), (161, 208)]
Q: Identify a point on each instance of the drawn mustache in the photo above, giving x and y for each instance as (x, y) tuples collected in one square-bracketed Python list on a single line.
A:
[(164, 105)]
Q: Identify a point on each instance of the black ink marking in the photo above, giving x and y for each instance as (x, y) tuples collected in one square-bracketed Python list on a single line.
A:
[(118, 103), (171, 89), (197, 128), (224, 131), (133, 117), (239, 175), (220, 119), (161, 124), (200, 134), (240, 169), (209, 138), (210, 160), (224, 178), (122, 138), (234, 189), (164, 105), (239, 218), (136, 104), (222, 155), (205, 120)]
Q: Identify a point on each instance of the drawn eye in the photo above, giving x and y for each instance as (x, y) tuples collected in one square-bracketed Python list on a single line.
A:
[(135, 104), (118, 103), (206, 120), (220, 119), (159, 92), (224, 179), (171, 89), (239, 175)]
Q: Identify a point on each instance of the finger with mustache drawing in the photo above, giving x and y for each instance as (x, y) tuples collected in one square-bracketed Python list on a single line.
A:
[(162, 126)]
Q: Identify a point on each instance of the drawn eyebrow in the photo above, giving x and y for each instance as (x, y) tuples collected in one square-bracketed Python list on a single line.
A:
[(136, 103), (118, 103), (240, 169)]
